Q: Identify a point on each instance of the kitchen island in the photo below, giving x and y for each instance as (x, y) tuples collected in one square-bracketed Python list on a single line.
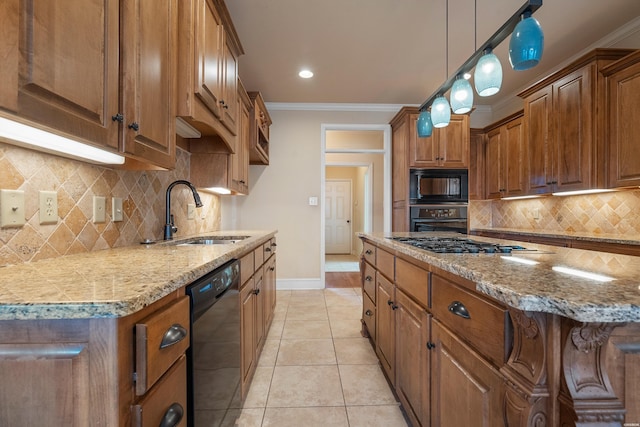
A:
[(516, 338), (98, 339)]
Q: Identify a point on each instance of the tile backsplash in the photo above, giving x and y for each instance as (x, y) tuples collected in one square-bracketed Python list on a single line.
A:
[(142, 192), (613, 213)]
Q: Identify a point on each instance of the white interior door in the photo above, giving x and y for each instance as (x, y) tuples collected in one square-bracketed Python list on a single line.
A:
[(337, 216)]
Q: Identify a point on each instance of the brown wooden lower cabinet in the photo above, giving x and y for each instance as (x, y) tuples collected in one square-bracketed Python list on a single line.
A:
[(499, 366)]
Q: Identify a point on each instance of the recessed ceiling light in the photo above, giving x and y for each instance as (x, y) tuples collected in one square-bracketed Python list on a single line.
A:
[(305, 74)]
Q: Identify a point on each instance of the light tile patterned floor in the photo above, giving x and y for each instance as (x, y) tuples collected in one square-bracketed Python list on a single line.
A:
[(316, 370)]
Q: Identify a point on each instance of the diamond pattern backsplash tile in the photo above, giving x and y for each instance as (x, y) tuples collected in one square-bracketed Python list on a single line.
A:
[(614, 213), (143, 203)]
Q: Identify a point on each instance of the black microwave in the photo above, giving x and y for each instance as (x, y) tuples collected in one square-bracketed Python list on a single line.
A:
[(438, 185)]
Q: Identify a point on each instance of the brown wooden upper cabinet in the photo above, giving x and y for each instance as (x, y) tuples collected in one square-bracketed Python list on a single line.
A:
[(564, 126), (623, 84), (258, 130), (103, 73), (447, 147), (208, 47), (505, 170)]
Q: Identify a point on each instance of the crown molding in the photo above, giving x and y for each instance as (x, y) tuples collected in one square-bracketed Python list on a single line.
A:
[(310, 106)]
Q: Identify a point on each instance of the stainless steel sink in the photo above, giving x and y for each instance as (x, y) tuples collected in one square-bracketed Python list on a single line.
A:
[(212, 240)]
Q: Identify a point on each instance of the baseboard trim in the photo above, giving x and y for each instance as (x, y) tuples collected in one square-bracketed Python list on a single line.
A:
[(298, 284)]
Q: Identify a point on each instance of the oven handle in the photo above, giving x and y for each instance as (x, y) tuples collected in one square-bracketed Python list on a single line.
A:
[(174, 335)]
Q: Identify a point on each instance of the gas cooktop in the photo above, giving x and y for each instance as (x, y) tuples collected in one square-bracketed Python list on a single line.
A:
[(457, 245)]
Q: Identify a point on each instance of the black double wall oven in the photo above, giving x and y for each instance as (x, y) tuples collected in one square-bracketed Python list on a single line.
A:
[(439, 199)]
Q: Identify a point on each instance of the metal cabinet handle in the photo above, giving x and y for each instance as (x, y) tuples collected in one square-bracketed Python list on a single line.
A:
[(457, 308), (394, 307), (134, 125), (174, 335), (368, 278), (267, 249), (274, 244), (173, 416), (256, 292), (117, 118), (368, 313), (389, 302), (271, 268), (430, 345), (368, 252)]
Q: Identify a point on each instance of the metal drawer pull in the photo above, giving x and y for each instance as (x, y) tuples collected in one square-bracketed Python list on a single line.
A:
[(174, 335), (459, 309), (368, 278), (368, 252), (267, 249), (368, 313), (173, 416)]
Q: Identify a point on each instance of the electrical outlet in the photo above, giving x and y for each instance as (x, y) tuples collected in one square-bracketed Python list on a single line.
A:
[(99, 207), (12, 208), (536, 213), (116, 209), (191, 210), (48, 207)]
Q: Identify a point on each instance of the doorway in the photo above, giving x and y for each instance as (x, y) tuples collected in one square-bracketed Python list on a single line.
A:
[(365, 149), (338, 216)]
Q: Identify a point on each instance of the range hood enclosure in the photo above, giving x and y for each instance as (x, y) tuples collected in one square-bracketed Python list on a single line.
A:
[(210, 163)]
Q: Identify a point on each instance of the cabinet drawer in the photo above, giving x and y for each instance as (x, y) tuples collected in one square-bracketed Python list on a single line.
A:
[(369, 316), (167, 399), (486, 326), (259, 256), (369, 281), (413, 280), (385, 264), (269, 248), (369, 252), (247, 268), (161, 339)]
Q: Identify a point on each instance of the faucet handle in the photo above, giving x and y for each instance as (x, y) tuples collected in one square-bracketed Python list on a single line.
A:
[(173, 226)]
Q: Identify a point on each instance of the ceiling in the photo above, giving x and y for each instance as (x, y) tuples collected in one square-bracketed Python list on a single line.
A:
[(400, 52)]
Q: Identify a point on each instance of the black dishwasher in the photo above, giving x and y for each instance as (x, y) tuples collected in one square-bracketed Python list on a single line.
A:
[(213, 358)]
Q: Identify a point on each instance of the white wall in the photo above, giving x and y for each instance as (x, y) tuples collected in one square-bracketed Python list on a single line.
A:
[(279, 193)]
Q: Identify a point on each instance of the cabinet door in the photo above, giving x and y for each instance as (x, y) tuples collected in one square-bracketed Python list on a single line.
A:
[(466, 390), (537, 112), (424, 152), (260, 308), (495, 162), (230, 90), (399, 160), (60, 66), (209, 51), (624, 150), (573, 141), (476, 165), (412, 371), (385, 326), (247, 333), (453, 142), (269, 290), (514, 158), (240, 159), (148, 83)]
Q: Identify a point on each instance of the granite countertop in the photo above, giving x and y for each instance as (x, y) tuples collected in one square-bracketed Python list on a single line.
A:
[(113, 282), (625, 239), (539, 287)]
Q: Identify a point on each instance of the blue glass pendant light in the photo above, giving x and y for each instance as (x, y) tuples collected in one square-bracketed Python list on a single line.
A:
[(526, 44), (461, 96), (440, 112), (488, 74), (424, 124)]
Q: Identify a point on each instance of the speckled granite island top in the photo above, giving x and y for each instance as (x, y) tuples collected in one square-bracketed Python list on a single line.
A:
[(539, 287), (113, 282)]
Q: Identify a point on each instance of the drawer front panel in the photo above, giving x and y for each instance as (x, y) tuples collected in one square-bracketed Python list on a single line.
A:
[(385, 264), (369, 316), (269, 249), (369, 281), (478, 321), (413, 280), (369, 253), (259, 255), (160, 340), (167, 399), (247, 268)]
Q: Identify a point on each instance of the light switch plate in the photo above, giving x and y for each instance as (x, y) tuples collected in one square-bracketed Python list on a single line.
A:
[(191, 210), (48, 204), (313, 201), (99, 207), (116, 209), (12, 208)]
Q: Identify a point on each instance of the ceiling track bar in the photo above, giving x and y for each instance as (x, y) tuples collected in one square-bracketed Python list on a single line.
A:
[(493, 41)]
